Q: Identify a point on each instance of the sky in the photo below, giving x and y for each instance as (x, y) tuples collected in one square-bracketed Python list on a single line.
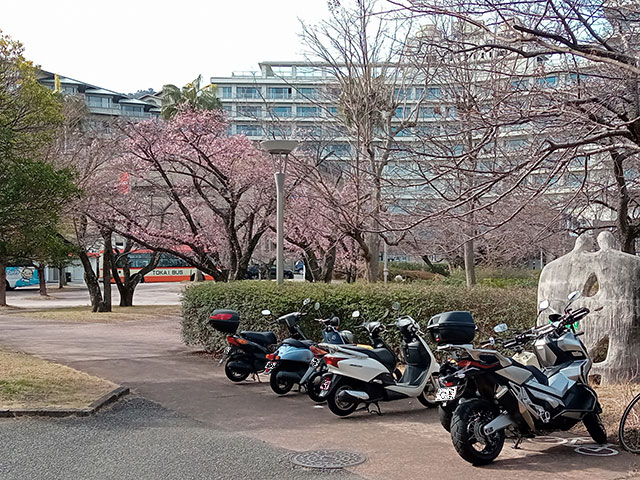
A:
[(138, 44)]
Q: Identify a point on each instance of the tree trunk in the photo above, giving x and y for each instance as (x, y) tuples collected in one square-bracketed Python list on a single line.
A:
[(3, 284), (62, 281), (329, 264), (469, 263), (107, 262), (625, 232), (199, 276), (92, 282), (373, 261), (42, 280)]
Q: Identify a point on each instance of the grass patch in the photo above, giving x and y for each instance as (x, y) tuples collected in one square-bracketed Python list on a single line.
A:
[(30, 382), (119, 314)]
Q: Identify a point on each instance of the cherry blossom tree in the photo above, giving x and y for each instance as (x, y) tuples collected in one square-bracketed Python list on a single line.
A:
[(186, 188)]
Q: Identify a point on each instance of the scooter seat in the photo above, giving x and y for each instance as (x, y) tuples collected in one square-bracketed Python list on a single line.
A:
[(298, 343), (263, 338), (537, 374), (382, 355)]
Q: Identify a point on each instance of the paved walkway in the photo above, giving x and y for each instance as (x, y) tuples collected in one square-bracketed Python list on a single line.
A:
[(76, 295), (407, 439)]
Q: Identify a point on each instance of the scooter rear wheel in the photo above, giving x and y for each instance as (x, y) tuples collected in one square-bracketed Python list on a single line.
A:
[(279, 386), (338, 407), (428, 397), (234, 375), (467, 433), (313, 388)]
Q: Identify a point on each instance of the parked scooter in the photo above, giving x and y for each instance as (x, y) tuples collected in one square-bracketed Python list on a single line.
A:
[(360, 376), (521, 400), (312, 379), (289, 363), (246, 353)]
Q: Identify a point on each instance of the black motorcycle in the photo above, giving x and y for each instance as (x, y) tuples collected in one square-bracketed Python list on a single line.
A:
[(247, 351)]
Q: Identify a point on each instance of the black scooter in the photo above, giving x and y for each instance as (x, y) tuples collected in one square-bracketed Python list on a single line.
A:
[(247, 351)]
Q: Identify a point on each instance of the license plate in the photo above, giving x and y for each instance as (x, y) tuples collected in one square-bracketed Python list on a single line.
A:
[(315, 362), (225, 353), (326, 384), (269, 366), (446, 393)]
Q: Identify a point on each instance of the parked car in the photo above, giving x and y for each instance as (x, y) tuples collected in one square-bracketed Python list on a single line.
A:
[(253, 273)]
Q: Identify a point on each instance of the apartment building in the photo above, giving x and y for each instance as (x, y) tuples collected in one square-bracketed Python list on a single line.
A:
[(101, 102)]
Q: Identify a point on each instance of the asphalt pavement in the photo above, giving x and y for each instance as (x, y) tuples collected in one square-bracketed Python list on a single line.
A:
[(138, 439), (201, 403)]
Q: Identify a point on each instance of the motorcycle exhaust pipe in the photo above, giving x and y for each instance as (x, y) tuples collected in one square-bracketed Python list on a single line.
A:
[(353, 396), (291, 376), (241, 367)]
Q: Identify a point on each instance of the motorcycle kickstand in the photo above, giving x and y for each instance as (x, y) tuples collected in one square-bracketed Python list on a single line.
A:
[(517, 442), (256, 376), (369, 410)]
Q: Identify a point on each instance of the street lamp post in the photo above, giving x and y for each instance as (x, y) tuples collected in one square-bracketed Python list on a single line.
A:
[(279, 151)]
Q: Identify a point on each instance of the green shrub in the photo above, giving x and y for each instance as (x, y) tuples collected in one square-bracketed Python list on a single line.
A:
[(489, 306)]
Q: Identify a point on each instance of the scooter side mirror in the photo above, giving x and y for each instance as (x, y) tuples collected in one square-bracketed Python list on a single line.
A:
[(356, 314), (316, 306), (266, 312), (544, 304), (501, 327), (395, 306), (306, 302), (573, 296)]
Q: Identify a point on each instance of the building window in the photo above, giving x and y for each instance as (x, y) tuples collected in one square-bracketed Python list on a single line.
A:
[(433, 92), (71, 90), (227, 110), (307, 92), (332, 110), (309, 131), (399, 112), (132, 111), (249, 130), (278, 131), (401, 94), (279, 92), (549, 81), (250, 111), (226, 92), (308, 72), (282, 71), (98, 102), (247, 92), (429, 112), (339, 149), (281, 111), (521, 84), (308, 111)]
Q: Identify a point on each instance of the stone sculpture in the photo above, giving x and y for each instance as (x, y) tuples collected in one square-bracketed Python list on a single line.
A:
[(606, 278)]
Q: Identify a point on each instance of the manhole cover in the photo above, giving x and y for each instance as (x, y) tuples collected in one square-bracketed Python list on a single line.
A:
[(327, 459)]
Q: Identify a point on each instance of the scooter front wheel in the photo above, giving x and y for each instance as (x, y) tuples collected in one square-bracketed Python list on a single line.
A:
[(234, 375), (279, 386), (340, 407)]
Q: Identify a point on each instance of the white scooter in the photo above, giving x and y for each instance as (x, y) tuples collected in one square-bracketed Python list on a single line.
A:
[(360, 376)]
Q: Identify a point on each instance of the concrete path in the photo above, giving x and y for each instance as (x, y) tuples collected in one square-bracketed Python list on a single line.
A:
[(406, 440), (76, 295)]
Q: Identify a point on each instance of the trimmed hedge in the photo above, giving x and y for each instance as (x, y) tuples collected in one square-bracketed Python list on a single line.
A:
[(489, 306)]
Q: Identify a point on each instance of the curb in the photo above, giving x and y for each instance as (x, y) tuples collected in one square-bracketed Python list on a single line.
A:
[(96, 405)]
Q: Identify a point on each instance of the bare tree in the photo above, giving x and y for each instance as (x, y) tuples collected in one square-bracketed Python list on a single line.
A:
[(360, 46)]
